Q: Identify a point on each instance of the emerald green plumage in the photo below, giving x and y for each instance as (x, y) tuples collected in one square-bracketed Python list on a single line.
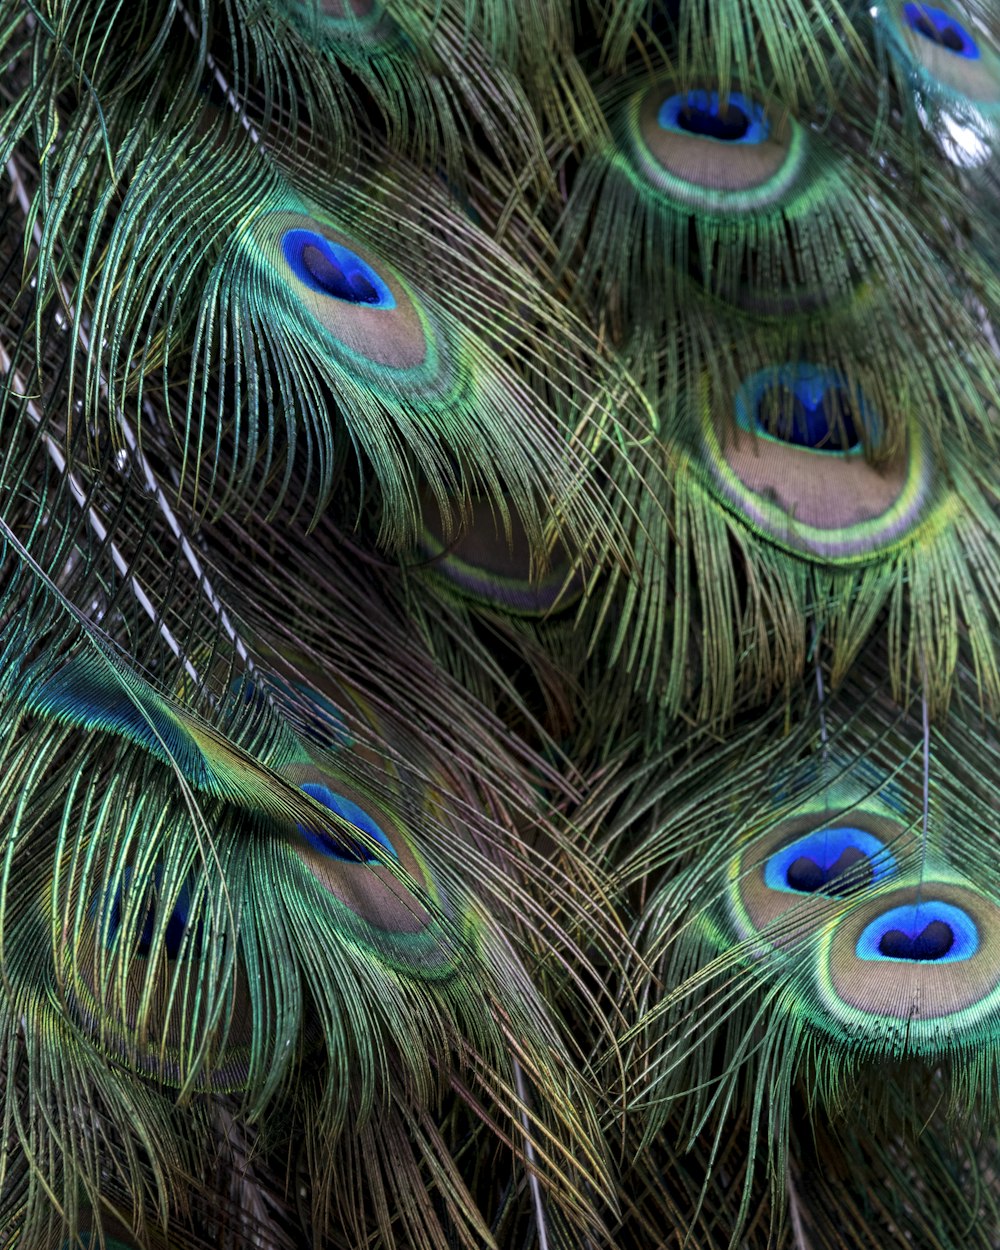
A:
[(499, 625)]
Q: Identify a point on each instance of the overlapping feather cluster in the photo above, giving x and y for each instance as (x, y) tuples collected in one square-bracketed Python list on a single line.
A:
[(499, 624)]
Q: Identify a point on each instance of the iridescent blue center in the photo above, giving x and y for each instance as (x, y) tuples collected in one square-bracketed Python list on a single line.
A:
[(343, 846), (924, 932), (177, 921), (805, 406), (835, 861), (700, 113), (332, 269), (941, 28)]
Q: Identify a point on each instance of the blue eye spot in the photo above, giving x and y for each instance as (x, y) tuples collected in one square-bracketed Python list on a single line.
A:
[(177, 922), (805, 406), (925, 932), (700, 113), (823, 423), (331, 269), (939, 27), (833, 861), (343, 846)]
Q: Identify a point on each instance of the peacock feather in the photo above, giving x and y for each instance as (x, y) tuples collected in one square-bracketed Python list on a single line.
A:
[(499, 629)]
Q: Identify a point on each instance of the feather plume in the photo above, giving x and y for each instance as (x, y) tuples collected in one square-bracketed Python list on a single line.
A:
[(499, 638)]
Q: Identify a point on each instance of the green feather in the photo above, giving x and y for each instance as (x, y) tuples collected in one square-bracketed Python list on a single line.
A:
[(808, 898), (499, 625)]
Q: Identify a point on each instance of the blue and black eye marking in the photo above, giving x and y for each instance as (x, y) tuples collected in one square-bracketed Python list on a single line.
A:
[(344, 847), (913, 970), (835, 861), (792, 462), (808, 407), (785, 885), (177, 922), (941, 29), (330, 268)]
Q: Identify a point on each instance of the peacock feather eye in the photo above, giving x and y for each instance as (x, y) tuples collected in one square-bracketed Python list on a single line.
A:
[(330, 268), (711, 154), (944, 55), (805, 407), (791, 462), (386, 901), (941, 29), (481, 565), (176, 925), (139, 982), (725, 194), (349, 849), (923, 931), (917, 966), (785, 884), (837, 860), (352, 306)]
